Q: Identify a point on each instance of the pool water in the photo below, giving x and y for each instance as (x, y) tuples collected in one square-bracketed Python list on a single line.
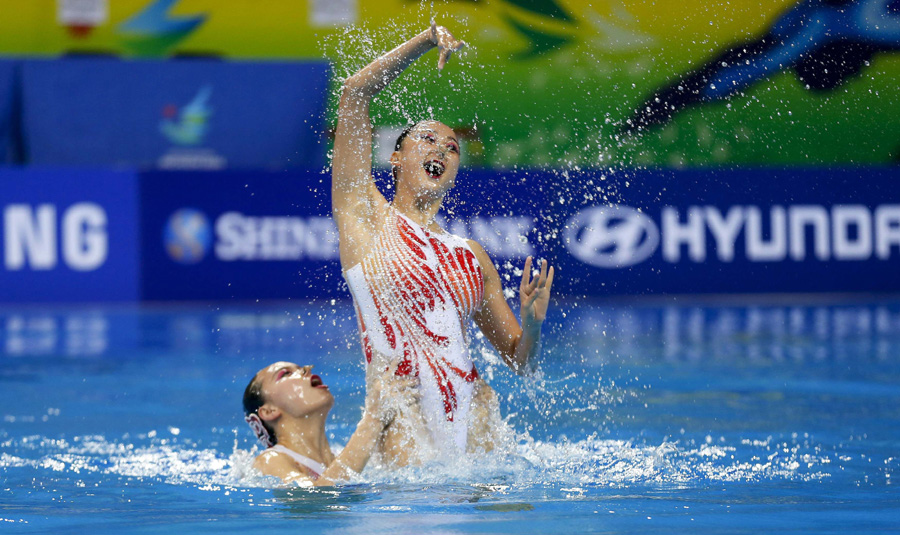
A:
[(716, 416)]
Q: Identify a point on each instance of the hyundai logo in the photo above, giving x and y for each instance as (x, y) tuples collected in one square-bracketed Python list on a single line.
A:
[(187, 236), (611, 236)]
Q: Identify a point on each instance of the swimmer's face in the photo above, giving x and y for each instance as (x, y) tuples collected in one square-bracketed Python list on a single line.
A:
[(428, 159), (294, 390)]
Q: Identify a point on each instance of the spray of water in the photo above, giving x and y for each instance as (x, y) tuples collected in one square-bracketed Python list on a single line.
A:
[(521, 462)]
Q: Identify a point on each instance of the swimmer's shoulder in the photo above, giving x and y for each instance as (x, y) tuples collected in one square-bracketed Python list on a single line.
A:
[(484, 260), (357, 232), (273, 463), (479, 251)]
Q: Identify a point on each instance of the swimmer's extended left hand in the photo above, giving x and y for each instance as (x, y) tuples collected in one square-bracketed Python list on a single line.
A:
[(446, 43), (534, 294)]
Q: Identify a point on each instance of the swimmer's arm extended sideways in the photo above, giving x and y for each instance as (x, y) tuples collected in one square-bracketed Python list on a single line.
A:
[(518, 345)]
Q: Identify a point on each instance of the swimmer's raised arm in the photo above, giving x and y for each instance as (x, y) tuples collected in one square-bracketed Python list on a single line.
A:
[(356, 453), (353, 190), (518, 345), (376, 418)]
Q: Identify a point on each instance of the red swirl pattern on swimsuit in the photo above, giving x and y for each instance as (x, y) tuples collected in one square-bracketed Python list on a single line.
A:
[(410, 279)]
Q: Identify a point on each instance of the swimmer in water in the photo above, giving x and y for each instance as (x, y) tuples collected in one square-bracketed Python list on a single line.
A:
[(286, 406), (415, 286)]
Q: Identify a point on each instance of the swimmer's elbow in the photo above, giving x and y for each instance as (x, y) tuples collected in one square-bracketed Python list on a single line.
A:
[(353, 90)]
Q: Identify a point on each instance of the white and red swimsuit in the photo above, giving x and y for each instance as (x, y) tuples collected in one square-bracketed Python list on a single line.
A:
[(415, 294)]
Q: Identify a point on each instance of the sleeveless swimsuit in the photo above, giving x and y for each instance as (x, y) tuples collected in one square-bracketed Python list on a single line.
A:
[(316, 469), (415, 293)]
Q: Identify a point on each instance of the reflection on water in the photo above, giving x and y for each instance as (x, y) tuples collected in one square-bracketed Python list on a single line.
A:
[(771, 333), (303, 502), (686, 332), (72, 335)]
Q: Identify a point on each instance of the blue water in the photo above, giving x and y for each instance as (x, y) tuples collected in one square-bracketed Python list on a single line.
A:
[(720, 417)]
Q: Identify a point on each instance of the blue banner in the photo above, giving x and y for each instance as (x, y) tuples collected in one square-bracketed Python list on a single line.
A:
[(271, 236), (9, 73), (180, 114), (238, 236), (68, 235), (641, 232), (635, 232), (78, 235)]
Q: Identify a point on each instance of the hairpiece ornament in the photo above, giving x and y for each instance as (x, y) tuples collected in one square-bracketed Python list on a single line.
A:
[(259, 429)]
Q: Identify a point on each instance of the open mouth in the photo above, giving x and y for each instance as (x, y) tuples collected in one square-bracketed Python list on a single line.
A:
[(435, 168), (316, 381)]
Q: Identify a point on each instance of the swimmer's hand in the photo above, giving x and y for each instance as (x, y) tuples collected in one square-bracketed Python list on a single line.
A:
[(381, 389), (534, 294), (387, 392), (446, 43)]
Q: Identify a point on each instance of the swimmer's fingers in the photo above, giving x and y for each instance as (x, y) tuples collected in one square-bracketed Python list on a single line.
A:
[(529, 299), (535, 296), (540, 286), (446, 43), (447, 52), (549, 282), (403, 387), (527, 284), (542, 278), (400, 391)]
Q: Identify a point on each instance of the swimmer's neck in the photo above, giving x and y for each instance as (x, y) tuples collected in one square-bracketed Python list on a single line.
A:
[(420, 209), (307, 437)]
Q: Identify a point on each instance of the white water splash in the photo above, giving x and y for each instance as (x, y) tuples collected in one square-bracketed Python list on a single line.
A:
[(589, 462)]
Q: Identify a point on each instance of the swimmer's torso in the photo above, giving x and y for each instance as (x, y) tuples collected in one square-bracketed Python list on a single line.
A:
[(415, 293)]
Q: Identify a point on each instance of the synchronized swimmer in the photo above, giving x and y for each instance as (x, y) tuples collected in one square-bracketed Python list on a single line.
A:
[(415, 288), (287, 407)]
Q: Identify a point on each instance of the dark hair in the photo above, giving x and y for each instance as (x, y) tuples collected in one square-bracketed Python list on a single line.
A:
[(253, 400), (403, 135)]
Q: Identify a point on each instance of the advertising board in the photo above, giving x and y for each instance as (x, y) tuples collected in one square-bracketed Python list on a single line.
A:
[(647, 232), (191, 114), (237, 236), (731, 231), (68, 235), (8, 112)]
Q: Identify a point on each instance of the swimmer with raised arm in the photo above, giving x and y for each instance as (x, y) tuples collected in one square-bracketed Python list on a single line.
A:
[(415, 286), (287, 405)]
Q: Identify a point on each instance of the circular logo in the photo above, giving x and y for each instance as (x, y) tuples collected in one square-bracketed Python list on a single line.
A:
[(187, 236), (611, 236)]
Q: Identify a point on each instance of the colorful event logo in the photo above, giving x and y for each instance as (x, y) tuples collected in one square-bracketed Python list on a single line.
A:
[(824, 42), (187, 236), (152, 31), (192, 121)]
